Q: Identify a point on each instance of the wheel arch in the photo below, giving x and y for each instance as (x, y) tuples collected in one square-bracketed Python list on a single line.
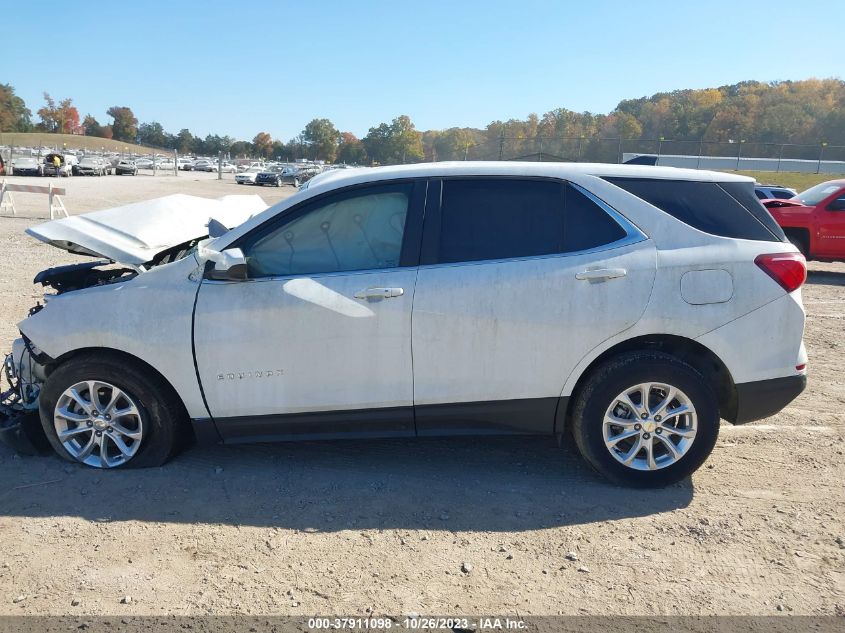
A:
[(125, 357), (695, 354), (803, 234)]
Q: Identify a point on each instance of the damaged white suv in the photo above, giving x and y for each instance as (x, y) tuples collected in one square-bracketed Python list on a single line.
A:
[(632, 306)]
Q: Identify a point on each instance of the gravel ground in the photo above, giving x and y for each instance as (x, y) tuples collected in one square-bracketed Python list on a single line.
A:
[(428, 526)]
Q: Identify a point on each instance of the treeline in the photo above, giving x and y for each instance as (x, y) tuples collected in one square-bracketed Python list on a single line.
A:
[(803, 112)]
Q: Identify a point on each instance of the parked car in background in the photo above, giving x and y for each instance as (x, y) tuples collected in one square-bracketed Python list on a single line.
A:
[(296, 175), (205, 165), (26, 166), (814, 220), (126, 166), (766, 192), (270, 176), (228, 168), (630, 307), (248, 177), (67, 165), (167, 165), (90, 166)]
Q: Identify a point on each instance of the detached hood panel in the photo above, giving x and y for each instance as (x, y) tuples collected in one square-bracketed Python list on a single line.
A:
[(135, 233)]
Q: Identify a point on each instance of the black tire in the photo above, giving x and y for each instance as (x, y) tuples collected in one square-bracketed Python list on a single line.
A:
[(161, 411), (620, 373)]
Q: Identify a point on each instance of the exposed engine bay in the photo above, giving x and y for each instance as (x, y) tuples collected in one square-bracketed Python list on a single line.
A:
[(84, 275), (103, 271), (25, 368), (119, 245)]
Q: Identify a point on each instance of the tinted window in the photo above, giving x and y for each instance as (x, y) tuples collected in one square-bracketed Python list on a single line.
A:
[(782, 194), (761, 195), (741, 192), (814, 195), (707, 206), (587, 225), (505, 218), (357, 230)]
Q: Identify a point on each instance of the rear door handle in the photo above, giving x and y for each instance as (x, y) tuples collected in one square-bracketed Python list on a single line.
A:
[(379, 293), (600, 274)]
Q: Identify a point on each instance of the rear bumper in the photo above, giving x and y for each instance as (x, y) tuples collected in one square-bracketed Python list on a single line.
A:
[(764, 398)]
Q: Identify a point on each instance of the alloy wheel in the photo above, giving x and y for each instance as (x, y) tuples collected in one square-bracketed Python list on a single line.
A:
[(98, 423), (649, 426)]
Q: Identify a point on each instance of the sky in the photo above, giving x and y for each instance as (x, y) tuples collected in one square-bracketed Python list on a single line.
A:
[(241, 67)]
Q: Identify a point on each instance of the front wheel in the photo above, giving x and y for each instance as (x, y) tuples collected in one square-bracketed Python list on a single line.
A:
[(646, 419), (103, 412)]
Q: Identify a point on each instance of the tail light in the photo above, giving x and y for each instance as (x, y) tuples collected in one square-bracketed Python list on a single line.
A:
[(788, 269)]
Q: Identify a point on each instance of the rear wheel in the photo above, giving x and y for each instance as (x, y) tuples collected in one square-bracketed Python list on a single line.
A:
[(646, 419), (106, 413)]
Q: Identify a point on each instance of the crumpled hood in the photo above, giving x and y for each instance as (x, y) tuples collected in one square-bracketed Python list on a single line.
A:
[(135, 233)]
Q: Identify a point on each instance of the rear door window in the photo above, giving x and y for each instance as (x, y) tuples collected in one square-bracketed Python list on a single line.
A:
[(724, 209), (488, 218)]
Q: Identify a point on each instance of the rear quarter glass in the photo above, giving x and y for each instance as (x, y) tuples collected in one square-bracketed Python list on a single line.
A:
[(708, 206)]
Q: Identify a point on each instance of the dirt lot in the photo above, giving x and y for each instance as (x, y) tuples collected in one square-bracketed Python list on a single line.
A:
[(385, 527)]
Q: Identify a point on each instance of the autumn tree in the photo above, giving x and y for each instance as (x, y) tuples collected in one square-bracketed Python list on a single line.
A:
[(263, 144), (92, 127), (350, 150), (14, 115), (125, 126), (61, 117), (321, 138)]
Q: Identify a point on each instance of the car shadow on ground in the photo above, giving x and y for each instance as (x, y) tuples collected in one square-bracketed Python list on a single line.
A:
[(489, 484), (826, 277)]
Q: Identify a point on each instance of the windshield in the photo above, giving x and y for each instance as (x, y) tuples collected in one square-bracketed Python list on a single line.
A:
[(815, 195)]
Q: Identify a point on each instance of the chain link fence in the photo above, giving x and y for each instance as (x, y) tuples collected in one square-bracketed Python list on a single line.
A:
[(818, 158)]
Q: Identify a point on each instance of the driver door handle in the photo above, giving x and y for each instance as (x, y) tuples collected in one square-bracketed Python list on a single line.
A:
[(379, 293), (601, 274)]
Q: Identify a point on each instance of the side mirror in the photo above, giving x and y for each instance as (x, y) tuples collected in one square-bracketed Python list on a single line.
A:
[(228, 265), (837, 205)]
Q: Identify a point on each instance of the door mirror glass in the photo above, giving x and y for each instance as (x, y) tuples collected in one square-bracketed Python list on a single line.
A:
[(228, 265)]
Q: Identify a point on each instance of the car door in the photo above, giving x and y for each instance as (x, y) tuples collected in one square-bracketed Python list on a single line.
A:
[(519, 280), (317, 341), (831, 226)]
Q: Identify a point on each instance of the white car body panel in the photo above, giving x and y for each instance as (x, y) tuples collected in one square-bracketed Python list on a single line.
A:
[(148, 317), (334, 351), (487, 331), (761, 344), (470, 332), (135, 233)]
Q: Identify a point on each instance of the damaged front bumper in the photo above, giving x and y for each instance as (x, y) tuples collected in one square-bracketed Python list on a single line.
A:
[(20, 425)]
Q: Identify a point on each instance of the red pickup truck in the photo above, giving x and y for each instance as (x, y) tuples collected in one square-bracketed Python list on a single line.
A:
[(814, 220)]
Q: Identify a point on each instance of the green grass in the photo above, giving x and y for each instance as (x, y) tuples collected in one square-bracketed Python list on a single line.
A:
[(796, 180), (70, 141)]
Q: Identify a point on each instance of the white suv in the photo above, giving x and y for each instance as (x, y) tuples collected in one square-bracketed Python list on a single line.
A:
[(631, 306)]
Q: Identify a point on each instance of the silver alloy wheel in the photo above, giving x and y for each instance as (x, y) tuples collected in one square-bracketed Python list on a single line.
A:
[(98, 424), (649, 426)]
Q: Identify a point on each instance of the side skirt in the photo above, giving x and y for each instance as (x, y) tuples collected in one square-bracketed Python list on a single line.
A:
[(531, 416)]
